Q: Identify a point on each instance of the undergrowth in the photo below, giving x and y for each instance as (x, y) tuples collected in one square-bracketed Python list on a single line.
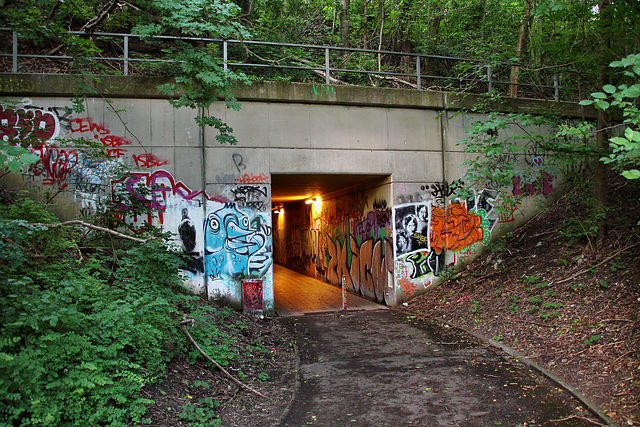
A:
[(88, 320)]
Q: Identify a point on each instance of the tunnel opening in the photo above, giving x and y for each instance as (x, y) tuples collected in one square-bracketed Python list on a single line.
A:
[(328, 228)]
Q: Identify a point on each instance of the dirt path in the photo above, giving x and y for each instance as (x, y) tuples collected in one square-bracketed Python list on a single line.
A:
[(380, 368)]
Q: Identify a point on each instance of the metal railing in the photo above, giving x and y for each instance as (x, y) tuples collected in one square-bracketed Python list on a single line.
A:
[(299, 62)]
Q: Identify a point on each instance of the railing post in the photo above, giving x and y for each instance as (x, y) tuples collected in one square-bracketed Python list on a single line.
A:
[(126, 55), (556, 88), (15, 52), (489, 77), (418, 84), (327, 77), (225, 53)]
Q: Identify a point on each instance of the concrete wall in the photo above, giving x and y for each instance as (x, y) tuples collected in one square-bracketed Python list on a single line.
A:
[(391, 239)]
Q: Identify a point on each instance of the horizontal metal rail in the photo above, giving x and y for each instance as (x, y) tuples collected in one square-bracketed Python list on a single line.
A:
[(324, 65)]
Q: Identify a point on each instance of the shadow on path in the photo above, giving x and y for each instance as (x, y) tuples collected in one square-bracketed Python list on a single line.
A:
[(384, 368)]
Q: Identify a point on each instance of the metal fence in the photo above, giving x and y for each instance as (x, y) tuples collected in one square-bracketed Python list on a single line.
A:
[(128, 54)]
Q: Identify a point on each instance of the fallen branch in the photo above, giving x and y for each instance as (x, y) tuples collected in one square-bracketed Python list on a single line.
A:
[(231, 377), (592, 421), (95, 227), (598, 264)]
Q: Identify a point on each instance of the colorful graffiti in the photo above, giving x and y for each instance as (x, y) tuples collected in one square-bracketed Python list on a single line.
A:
[(232, 240), (425, 232), (368, 267)]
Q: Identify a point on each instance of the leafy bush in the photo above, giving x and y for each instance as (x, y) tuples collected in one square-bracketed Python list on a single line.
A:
[(81, 334)]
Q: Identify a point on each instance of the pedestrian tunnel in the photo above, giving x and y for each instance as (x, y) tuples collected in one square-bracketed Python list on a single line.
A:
[(327, 227)]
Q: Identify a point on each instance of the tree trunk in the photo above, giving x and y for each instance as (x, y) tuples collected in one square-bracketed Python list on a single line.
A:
[(601, 178), (345, 6), (521, 47)]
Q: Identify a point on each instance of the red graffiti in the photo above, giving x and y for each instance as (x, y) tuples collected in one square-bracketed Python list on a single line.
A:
[(28, 126), (55, 165), (408, 287), (541, 186), (160, 184), (252, 294), (102, 134), (253, 179), (454, 228), (148, 161)]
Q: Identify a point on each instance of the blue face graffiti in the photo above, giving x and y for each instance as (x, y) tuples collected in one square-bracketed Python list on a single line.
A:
[(230, 242)]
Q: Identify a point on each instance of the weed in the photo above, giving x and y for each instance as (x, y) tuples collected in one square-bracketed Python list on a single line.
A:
[(547, 316), (201, 414), (498, 338), (592, 339), (603, 284), (476, 306), (530, 279), (576, 286), (615, 267), (513, 305)]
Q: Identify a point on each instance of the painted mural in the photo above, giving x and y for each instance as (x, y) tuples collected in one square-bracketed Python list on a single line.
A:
[(225, 236), (438, 230)]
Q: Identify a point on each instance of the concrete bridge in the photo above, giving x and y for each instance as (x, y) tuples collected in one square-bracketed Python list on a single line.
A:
[(340, 183)]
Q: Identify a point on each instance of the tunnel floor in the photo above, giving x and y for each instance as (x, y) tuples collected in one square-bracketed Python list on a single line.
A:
[(297, 294)]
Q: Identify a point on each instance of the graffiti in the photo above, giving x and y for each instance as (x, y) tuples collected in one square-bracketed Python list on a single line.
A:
[(148, 161), (102, 134), (33, 126), (323, 90), (541, 186), (252, 294), (159, 185), (412, 227), (192, 261), (239, 162), (55, 165), (442, 190), (232, 239), (250, 196), (372, 224), (454, 228), (253, 179), (409, 198), (407, 287), (426, 262), (367, 267), (380, 205)]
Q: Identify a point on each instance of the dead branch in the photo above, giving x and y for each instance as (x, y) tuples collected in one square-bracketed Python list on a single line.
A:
[(92, 23), (95, 227), (580, 273), (231, 377), (592, 421)]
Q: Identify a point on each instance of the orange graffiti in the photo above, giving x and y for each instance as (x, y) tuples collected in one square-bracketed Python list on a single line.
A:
[(454, 228)]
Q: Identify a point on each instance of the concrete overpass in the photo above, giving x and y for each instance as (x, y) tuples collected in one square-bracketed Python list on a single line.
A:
[(340, 183)]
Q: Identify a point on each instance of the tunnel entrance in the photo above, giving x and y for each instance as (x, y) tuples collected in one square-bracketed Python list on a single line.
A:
[(326, 226)]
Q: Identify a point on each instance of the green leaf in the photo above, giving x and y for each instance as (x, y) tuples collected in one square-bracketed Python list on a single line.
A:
[(14, 165), (586, 102), (602, 105), (631, 174), (609, 88), (598, 95)]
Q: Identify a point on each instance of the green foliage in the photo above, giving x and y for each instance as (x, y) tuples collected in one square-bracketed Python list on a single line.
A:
[(201, 414), (623, 99), (82, 333), (523, 147)]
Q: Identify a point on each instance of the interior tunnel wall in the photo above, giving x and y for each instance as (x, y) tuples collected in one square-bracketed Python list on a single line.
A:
[(347, 235)]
